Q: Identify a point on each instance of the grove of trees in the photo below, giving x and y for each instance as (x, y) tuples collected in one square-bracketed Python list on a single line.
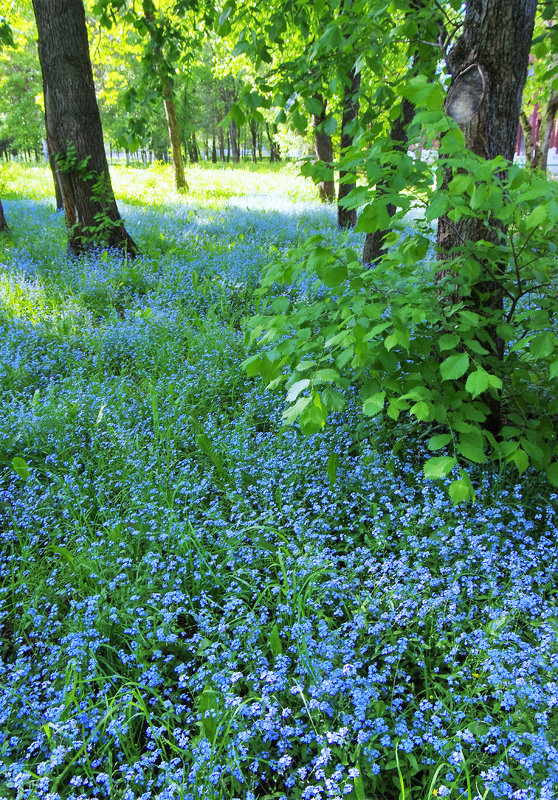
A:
[(408, 106)]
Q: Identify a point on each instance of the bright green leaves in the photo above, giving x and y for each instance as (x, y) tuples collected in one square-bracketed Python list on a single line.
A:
[(21, 468), (480, 381), (454, 367), (439, 466)]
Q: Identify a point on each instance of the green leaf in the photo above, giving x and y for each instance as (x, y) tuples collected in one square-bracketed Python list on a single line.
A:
[(374, 404), (542, 345), (275, 641), (477, 382), (21, 468), (331, 467), (421, 411), (439, 441), (469, 447), (448, 341), (520, 459), (552, 473), (358, 785), (459, 491), (454, 367), (313, 417), (296, 389), (554, 369), (439, 467)]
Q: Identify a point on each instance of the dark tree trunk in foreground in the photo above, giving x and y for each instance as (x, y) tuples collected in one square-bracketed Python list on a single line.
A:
[(323, 148), (489, 67), (174, 137), (57, 190), (346, 218), (74, 133), (3, 223)]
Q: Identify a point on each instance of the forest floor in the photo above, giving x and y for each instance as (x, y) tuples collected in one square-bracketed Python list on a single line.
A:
[(191, 604)]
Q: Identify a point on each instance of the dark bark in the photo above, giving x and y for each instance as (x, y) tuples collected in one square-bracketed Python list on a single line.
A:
[(527, 138), (57, 190), (3, 224), (174, 136), (233, 130), (346, 218), (323, 148), (74, 132), (274, 153), (254, 136), (490, 61), (374, 242), (221, 143), (213, 149)]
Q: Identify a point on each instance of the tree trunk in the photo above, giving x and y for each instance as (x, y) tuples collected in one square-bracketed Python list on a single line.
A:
[(234, 142), (548, 117), (528, 138), (74, 132), (323, 148), (174, 136), (56, 180), (346, 218), (489, 67), (213, 149), (254, 135), (274, 153), (221, 143), (3, 224)]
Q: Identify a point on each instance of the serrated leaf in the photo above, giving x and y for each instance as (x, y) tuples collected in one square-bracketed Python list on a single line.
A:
[(542, 345), (439, 440), (439, 466), (477, 382), (374, 404), (552, 473), (448, 341), (554, 369), (471, 450), (420, 410), (454, 367), (459, 491), (521, 460), (296, 389)]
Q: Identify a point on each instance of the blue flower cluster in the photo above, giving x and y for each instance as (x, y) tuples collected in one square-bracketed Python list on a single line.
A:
[(191, 608)]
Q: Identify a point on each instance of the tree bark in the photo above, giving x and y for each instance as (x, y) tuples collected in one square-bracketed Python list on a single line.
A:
[(3, 224), (274, 152), (233, 130), (346, 218), (221, 143), (548, 117), (491, 56), (74, 132), (174, 136), (323, 148)]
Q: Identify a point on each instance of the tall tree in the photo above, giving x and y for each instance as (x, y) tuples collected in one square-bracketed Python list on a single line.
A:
[(488, 64), (74, 132), (3, 223)]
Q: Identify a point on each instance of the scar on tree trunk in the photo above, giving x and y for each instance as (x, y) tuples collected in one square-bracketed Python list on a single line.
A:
[(489, 67)]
